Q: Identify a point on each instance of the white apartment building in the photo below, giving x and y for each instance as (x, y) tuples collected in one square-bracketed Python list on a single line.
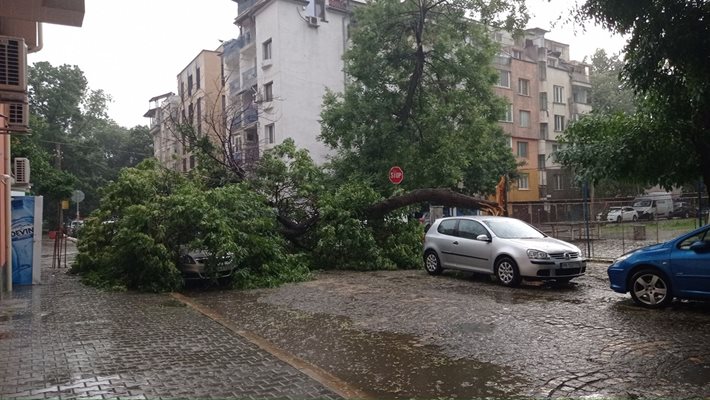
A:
[(163, 110), (277, 71)]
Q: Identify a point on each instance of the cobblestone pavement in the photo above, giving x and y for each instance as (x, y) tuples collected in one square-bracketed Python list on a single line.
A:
[(65, 340), (401, 334)]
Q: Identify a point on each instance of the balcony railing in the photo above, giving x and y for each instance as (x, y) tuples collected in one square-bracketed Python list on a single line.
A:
[(248, 78), (245, 5), (246, 117), (339, 4)]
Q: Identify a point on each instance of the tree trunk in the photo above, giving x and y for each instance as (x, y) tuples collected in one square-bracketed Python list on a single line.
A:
[(445, 197)]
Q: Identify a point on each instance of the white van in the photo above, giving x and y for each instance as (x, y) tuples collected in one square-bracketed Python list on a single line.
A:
[(654, 205)]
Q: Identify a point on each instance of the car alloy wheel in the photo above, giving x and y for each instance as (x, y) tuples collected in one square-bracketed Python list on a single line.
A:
[(649, 288), (507, 272), (432, 263)]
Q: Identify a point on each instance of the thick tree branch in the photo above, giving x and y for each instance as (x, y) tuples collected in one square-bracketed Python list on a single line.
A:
[(441, 196)]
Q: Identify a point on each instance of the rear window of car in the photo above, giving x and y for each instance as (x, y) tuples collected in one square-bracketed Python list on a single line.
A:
[(447, 227)]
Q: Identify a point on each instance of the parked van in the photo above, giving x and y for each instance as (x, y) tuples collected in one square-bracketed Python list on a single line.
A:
[(654, 205)]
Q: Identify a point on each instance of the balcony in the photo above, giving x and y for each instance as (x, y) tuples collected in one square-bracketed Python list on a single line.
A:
[(338, 4), (249, 78), (245, 5), (247, 117), (580, 77)]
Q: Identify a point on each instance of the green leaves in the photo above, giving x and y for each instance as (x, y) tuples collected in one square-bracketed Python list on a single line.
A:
[(420, 98)]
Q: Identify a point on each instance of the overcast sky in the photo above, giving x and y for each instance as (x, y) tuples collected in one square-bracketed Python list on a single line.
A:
[(134, 49)]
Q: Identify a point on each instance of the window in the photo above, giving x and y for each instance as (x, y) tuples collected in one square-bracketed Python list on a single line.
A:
[(190, 115), (522, 149), (555, 148), (543, 101), (269, 131), (197, 78), (504, 79), (189, 85), (543, 131), (559, 123), (471, 229), (559, 94), (498, 37), (269, 91), (192, 162), (541, 161), (447, 227), (542, 67), (199, 116), (508, 113), (182, 89), (523, 182), (266, 47), (524, 119), (524, 87), (558, 182), (580, 96), (184, 165), (517, 54), (551, 62)]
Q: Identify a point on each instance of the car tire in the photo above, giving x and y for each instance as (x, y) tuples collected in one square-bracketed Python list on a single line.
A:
[(432, 265), (507, 272), (650, 288)]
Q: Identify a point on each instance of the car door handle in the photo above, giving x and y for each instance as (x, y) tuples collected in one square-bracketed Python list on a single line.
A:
[(456, 242)]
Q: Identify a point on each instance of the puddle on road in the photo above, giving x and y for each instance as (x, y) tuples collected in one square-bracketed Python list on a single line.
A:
[(382, 364)]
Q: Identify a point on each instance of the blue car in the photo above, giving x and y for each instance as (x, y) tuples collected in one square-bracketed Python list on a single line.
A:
[(654, 275)]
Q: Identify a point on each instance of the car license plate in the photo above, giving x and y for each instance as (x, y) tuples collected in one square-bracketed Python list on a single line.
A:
[(574, 264)]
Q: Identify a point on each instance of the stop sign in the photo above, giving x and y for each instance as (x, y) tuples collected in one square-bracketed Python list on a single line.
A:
[(396, 175)]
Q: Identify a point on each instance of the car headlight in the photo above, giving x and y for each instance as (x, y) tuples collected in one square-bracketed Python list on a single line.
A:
[(623, 257), (537, 255)]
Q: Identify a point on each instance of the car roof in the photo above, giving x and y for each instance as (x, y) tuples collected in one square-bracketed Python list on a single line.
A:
[(476, 217)]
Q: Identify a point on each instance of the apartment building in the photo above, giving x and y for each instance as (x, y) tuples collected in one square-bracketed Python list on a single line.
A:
[(21, 33), (546, 90), (277, 71), (163, 111), (199, 104)]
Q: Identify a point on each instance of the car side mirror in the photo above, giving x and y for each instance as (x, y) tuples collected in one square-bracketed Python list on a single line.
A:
[(700, 246), (483, 238)]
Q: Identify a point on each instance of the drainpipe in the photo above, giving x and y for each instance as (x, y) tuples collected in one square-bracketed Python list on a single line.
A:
[(40, 40), (7, 182)]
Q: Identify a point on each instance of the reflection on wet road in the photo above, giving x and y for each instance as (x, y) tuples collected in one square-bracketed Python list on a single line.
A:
[(405, 334)]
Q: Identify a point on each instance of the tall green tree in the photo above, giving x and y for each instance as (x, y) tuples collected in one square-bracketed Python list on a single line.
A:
[(71, 128), (420, 96), (667, 64), (610, 92)]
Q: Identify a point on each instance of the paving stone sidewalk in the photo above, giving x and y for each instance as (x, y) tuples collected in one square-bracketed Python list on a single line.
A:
[(65, 340)]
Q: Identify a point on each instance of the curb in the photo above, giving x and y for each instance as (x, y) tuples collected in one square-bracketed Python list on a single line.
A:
[(316, 373)]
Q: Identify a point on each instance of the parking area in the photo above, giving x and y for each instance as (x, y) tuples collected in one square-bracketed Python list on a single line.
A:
[(381, 334), (399, 334)]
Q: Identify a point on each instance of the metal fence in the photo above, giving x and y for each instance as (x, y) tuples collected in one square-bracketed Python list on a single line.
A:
[(585, 224)]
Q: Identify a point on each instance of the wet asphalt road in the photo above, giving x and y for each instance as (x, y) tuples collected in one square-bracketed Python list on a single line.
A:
[(401, 334)]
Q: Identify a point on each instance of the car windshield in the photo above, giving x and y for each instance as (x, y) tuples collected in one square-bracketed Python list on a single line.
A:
[(642, 203), (510, 228), (615, 209)]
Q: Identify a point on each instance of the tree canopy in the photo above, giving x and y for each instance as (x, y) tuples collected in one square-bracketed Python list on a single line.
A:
[(67, 115), (666, 64), (420, 96)]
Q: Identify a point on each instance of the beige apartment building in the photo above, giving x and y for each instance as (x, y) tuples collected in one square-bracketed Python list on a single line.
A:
[(545, 90), (199, 104)]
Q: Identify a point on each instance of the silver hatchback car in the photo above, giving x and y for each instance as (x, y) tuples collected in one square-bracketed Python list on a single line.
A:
[(506, 247)]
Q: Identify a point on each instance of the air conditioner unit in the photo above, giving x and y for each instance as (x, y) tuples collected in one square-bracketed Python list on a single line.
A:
[(312, 20), (18, 118), (13, 64), (22, 171)]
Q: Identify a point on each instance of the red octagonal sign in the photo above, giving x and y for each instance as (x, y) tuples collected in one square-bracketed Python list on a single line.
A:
[(396, 175)]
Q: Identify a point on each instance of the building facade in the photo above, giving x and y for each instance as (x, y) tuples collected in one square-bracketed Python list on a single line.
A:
[(546, 91), (278, 70), (20, 33)]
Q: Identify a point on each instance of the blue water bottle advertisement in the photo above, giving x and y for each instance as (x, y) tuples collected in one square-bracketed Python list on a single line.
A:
[(26, 233)]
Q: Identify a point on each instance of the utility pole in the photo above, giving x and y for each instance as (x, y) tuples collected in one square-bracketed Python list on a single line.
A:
[(59, 237)]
